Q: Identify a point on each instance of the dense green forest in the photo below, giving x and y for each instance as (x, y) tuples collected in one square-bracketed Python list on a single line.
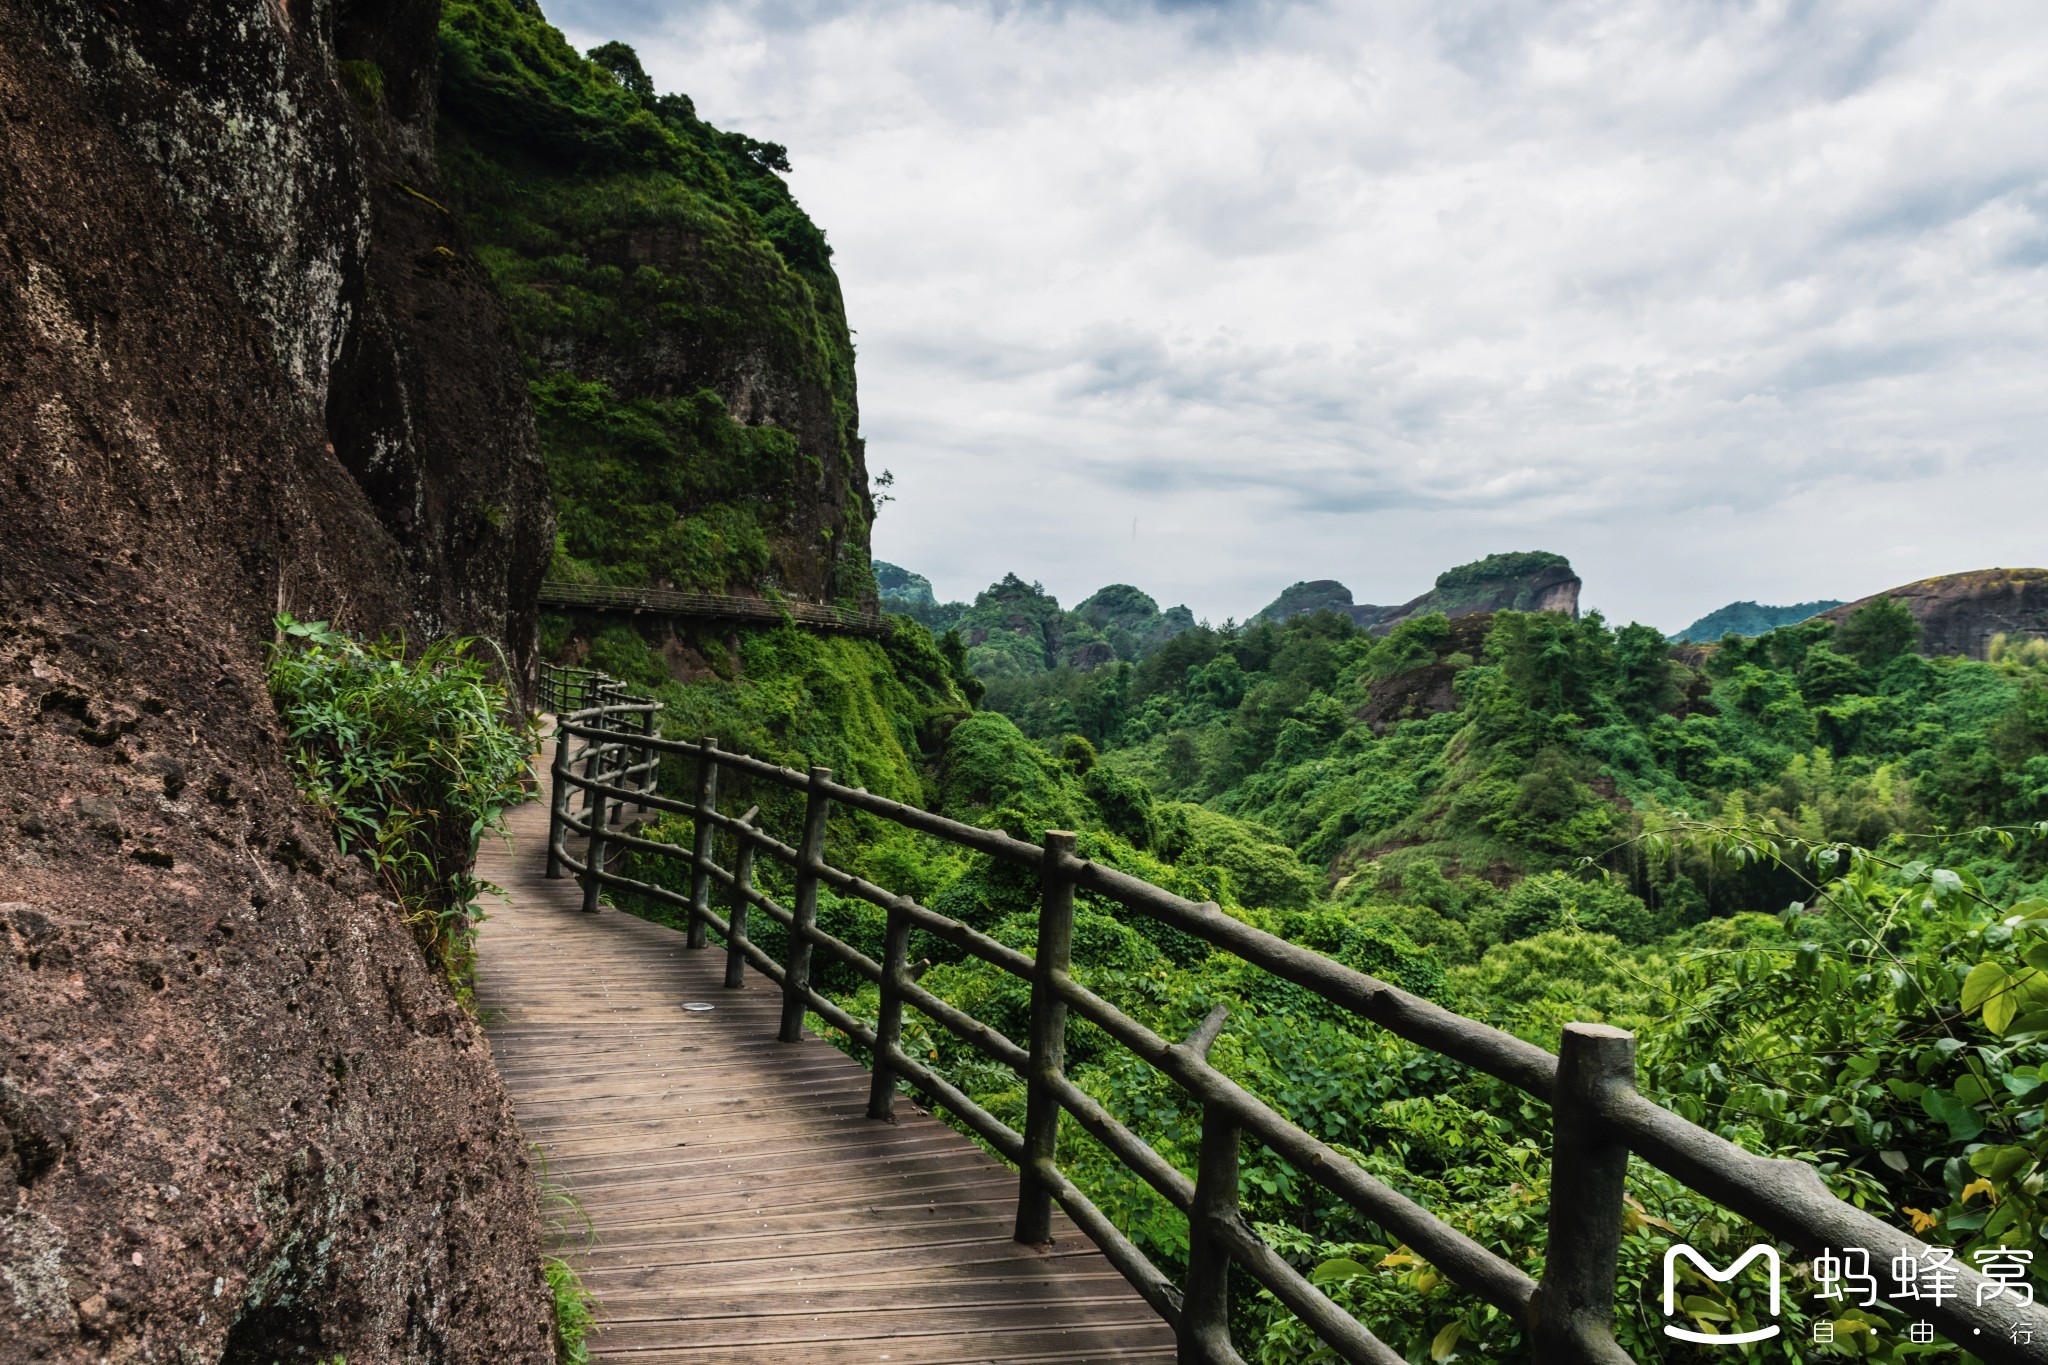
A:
[(1532, 819)]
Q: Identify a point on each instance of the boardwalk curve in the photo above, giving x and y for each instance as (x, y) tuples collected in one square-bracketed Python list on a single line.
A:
[(744, 1208)]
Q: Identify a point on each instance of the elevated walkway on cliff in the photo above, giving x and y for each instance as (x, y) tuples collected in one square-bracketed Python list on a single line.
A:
[(699, 606), (742, 1206)]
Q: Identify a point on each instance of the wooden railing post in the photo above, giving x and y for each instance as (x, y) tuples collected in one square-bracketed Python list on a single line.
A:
[(1048, 1040), (1588, 1174), (697, 935), (558, 800), (742, 892), (650, 779), (1204, 1335), (796, 976), (593, 696), (889, 1018), (595, 813)]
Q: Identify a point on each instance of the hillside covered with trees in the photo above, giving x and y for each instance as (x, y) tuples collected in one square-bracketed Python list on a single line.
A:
[(1750, 618), (1762, 856)]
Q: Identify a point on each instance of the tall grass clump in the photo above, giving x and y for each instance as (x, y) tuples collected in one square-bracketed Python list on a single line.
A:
[(412, 758), (575, 1310)]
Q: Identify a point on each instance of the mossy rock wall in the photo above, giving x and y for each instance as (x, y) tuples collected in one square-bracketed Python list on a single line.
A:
[(684, 335)]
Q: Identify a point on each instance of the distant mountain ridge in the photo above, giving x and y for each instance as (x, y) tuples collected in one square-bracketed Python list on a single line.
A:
[(1751, 619), (1520, 580), (1016, 628)]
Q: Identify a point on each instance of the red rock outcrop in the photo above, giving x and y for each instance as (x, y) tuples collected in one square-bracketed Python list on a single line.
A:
[(244, 364)]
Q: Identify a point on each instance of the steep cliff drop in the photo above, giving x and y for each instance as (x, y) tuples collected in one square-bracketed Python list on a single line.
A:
[(245, 364)]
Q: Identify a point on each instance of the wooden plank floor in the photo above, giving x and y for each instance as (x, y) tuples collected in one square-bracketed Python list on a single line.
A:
[(744, 1207)]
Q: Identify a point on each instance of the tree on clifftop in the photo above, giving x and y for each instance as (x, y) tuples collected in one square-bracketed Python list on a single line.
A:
[(1877, 632)]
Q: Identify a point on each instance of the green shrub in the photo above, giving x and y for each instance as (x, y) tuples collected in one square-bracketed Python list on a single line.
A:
[(1124, 803), (621, 651), (1258, 869), (992, 773), (1877, 632), (1364, 940), (1412, 644), (364, 82), (1429, 929), (412, 759), (1555, 900), (1574, 968)]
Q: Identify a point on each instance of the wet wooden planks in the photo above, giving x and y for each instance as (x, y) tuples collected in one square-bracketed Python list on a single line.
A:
[(742, 1206)]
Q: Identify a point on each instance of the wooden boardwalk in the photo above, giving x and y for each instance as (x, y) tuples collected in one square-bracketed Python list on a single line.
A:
[(744, 1207)]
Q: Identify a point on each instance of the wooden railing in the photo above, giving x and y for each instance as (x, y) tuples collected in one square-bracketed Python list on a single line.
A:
[(587, 692), (563, 691), (710, 606), (1598, 1117)]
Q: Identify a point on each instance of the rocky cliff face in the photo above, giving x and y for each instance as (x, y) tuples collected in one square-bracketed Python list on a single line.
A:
[(1962, 613), (245, 363)]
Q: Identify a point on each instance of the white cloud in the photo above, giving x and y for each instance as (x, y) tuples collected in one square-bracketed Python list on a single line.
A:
[(1721, 300)]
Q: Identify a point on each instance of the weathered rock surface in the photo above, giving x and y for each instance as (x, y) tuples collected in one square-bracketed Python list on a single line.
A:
[(1960, 613), (244, 365)]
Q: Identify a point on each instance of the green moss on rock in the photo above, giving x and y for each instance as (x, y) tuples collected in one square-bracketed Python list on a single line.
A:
[(690, 364)]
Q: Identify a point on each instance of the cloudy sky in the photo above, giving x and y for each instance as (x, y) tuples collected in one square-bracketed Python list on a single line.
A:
[(1721, 300)]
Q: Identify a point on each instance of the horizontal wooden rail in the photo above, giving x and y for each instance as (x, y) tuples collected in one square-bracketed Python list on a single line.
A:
[(1599, 1117), (1487, 1049)]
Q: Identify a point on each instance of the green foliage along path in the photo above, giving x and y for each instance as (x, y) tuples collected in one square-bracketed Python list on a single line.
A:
[(412, 759)]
